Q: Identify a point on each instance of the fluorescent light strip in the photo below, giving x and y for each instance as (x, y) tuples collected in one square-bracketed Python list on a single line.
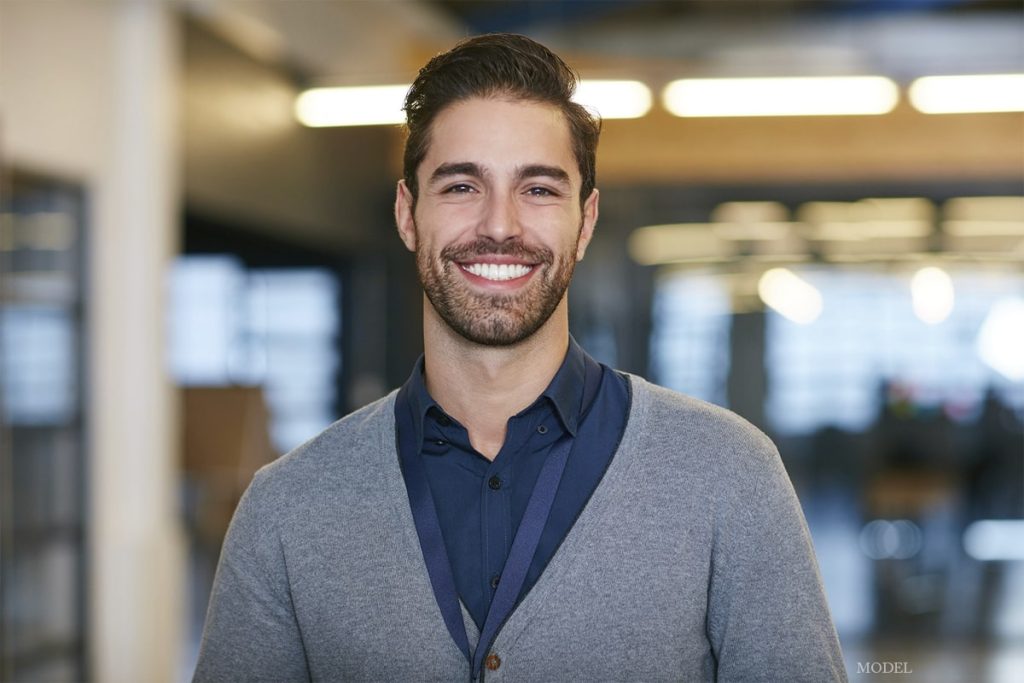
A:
[(615, 99), (373, 105), (678, 243), (382, 104), (984, 209), (802, 96), (968, 94)]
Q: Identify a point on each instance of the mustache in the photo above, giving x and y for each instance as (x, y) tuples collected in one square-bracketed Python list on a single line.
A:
[(485, 247)]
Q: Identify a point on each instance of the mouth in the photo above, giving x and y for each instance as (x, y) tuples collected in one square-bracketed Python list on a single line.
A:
[(497, 268), (498, 272)]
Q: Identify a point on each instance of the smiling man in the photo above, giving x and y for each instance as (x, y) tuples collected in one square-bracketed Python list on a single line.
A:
[(516, 510)]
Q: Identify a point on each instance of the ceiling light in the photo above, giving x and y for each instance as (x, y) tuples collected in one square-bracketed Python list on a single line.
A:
[(984, 228), (989, 216), (991, 208), (932, 292), (756, 232), (871, 230), (382, 104), (1002, 337), (803, 96), (869, 219), (371, 105), (614, 99), (790, 295), (889, 209), (995, 539), (968, 94), (750, 212), (678, 243)]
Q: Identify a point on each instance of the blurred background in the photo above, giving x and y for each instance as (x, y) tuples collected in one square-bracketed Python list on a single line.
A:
[(194, 281)]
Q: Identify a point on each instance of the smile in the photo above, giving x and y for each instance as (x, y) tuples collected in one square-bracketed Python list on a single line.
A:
[(497, 272)]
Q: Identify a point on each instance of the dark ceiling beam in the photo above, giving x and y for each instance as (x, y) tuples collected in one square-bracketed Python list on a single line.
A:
[(513, 16)]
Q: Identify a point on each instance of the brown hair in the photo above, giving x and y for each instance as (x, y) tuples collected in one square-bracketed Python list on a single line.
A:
[(490, 65)]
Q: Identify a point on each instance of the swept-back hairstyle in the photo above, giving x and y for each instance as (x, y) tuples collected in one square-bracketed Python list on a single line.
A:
[(504, 65)]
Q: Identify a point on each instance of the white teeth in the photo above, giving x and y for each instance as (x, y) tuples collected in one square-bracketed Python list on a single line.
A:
[(491, 271)]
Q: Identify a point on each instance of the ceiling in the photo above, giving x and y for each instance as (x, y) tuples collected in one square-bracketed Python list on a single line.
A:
[(358, 42), (522, 15), (351, 41)]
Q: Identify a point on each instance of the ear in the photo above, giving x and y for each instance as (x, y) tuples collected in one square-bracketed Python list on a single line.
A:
[(590, 212), (403, 216)]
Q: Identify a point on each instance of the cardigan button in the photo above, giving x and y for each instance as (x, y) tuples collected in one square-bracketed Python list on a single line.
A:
[(492, 662)]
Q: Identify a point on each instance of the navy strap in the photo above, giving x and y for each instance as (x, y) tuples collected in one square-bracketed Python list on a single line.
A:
[(428, 527), (524, 545)]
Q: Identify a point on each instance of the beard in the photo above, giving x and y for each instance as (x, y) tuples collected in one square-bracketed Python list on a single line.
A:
[(494, 319)]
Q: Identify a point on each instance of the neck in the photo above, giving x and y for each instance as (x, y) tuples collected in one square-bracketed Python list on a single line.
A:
[(483, 386)]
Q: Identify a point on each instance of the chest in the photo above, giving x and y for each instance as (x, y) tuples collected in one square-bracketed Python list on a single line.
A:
[(366, 609)]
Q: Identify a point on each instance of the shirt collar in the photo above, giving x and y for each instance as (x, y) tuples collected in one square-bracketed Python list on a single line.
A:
[(566, 388), (565, 391)]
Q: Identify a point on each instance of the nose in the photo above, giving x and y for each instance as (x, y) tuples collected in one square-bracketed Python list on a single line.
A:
[(500, 221)]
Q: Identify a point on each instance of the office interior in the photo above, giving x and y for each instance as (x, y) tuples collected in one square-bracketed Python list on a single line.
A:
[(194, 281)]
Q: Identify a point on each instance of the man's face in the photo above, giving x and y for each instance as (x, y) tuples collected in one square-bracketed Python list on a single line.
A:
[(498, 226)]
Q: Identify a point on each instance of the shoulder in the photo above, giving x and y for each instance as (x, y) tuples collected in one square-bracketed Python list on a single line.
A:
[(356, 446), (711, 433)]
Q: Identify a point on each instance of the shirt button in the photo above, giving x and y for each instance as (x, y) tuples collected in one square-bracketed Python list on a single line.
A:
[(494, 580), (439, 442), (494, 483), (492, 662), (542, 430)]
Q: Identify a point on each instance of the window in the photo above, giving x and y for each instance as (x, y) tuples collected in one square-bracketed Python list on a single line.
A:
[(42, 441), (690, 336), (276, 328), (833, 372)]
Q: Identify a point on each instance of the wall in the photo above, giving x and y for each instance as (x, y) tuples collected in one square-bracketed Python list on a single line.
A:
[(87, 93), (247, 160)]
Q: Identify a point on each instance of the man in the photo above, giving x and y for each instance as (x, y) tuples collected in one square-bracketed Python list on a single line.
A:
[(516, 510)]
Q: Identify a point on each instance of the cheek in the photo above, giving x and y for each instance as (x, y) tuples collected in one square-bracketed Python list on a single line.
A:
[(553, 220), (567, 231), (449, 224)]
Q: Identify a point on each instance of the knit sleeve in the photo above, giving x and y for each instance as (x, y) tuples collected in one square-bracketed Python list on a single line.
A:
[(767, 616), (251, 633)]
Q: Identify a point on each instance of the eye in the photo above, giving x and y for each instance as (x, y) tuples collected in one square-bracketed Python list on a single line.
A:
[(459, 188), (538, 191)]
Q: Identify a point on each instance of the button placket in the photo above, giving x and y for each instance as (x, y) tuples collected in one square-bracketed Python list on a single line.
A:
[(496, 523)]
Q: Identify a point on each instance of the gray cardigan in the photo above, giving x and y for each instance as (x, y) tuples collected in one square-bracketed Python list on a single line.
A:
[(690, 562)]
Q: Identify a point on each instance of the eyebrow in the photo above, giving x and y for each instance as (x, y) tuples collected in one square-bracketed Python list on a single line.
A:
[(540, 170), (472, 169), (456, 168)]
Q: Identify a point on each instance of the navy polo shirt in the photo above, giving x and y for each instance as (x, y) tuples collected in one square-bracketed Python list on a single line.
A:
[(480, 503)]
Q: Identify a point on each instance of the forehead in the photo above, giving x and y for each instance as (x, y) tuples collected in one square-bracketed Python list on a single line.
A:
[(501, 134)]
